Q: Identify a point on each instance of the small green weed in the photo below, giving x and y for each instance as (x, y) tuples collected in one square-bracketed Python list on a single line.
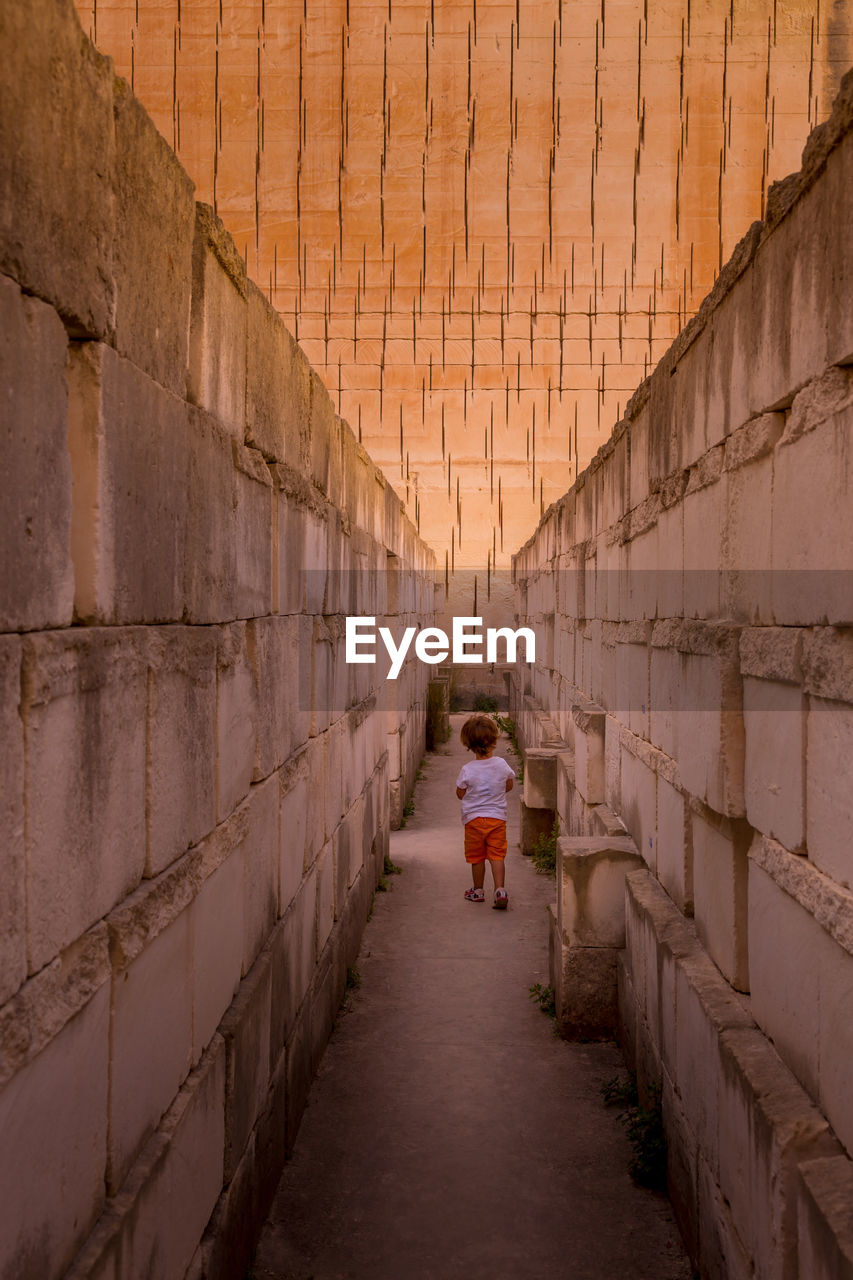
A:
[(483, 702), (544, 997), (409, 806), (544, 855), (390, 868), (644, 1129), (353, 978), (619, 1091), (507, 725)]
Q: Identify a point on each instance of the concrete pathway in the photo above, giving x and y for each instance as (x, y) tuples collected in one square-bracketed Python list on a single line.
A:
[(449, 1133)]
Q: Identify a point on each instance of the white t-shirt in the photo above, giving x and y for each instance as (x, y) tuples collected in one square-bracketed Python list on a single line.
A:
[(485, 781)]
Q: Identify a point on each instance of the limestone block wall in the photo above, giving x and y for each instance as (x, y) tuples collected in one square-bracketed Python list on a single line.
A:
[(693, 600), (195, 789)]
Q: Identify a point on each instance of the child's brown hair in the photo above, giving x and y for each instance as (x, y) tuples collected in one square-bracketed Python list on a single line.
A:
[(479, 734)]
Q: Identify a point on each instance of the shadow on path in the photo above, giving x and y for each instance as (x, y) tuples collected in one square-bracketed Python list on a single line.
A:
[(449, 1133)]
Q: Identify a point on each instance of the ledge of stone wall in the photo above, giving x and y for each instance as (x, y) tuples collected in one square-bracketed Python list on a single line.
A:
[(741, 1131), (195, 788)]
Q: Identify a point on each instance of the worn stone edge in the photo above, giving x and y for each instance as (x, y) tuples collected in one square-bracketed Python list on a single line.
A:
[(829, 904), (43, 1006)]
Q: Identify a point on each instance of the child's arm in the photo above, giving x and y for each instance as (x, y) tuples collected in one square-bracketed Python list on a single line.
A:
[(460, 791), (509, 782)]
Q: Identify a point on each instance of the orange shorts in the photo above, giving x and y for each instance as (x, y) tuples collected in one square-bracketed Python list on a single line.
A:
[(485, 838)]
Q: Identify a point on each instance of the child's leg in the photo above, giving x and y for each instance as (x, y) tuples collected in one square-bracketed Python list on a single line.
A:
[(496, 853), (475, 852)]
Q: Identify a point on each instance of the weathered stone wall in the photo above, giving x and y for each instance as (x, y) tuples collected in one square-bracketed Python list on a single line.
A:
[(692, 710), (194, 787)]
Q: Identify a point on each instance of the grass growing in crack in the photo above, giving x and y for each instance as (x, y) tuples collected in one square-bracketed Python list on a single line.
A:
[(507, 725), (545, 998), (620, 1091), (389, 868), (644, 1130), (544, 855), (352, 982), (353, 978), (409, 806)]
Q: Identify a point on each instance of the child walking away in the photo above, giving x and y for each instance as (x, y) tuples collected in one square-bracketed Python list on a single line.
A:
[(482, 786)]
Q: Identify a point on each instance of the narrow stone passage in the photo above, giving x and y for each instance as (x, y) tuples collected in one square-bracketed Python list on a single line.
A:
[(449, 1133)]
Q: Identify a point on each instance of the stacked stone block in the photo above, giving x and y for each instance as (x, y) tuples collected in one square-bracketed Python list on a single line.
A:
[(693, 602), (195, 788)]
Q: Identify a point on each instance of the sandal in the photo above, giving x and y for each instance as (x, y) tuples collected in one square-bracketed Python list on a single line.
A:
[(501, 901), (475, 895)]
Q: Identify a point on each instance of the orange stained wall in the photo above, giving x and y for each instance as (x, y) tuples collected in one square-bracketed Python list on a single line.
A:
[(484, 221)]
